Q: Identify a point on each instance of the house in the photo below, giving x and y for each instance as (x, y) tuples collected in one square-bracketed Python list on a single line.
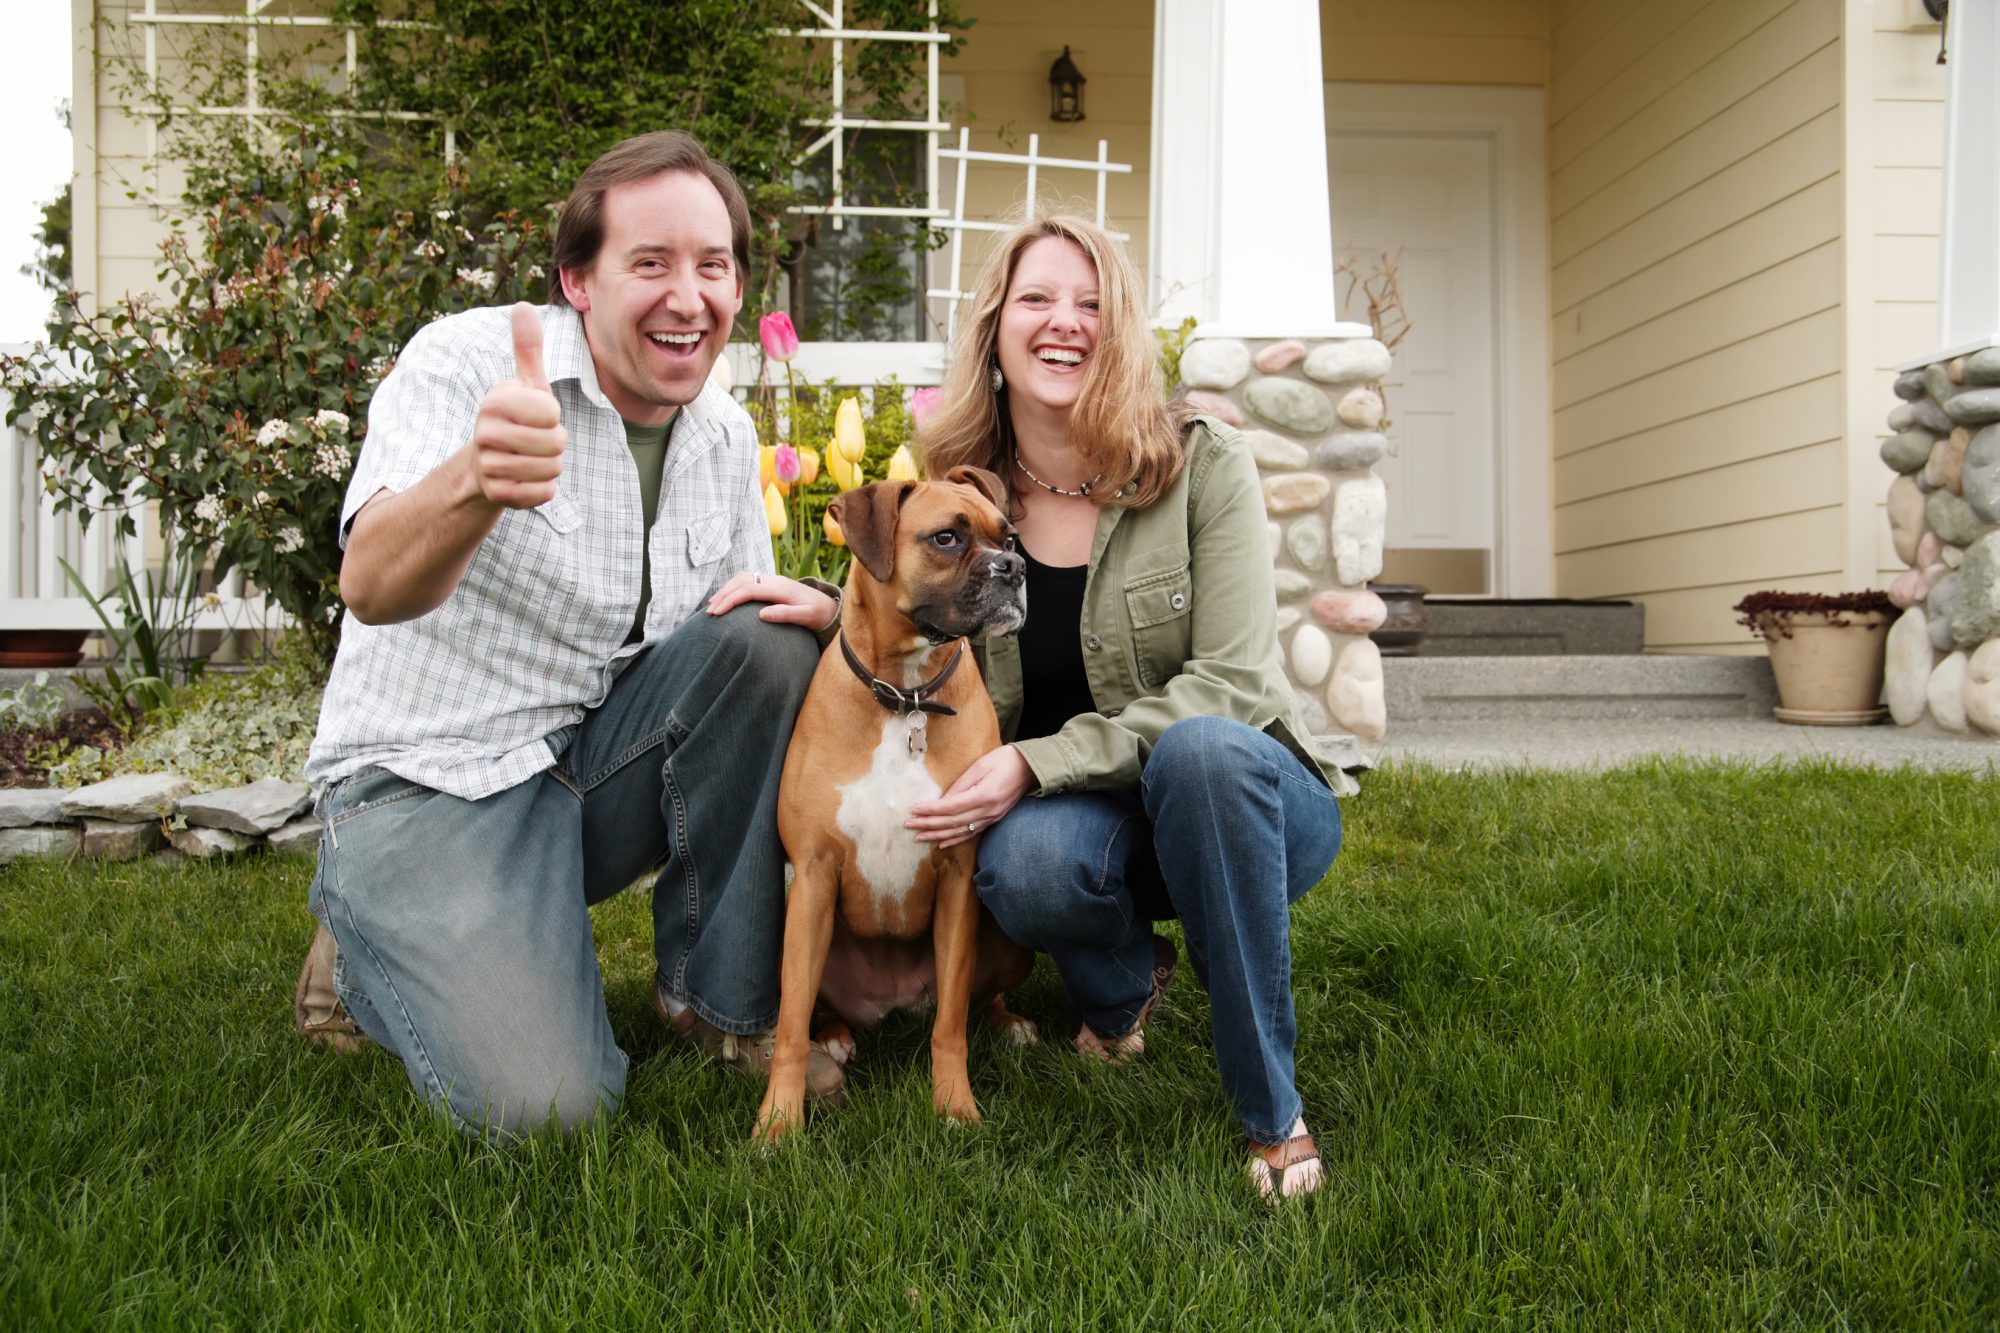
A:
[(1662, 258)]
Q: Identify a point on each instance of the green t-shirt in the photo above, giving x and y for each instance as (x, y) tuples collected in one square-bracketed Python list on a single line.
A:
[(649, 453)]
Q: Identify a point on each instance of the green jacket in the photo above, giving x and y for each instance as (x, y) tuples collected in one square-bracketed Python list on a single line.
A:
[(1179, 620)]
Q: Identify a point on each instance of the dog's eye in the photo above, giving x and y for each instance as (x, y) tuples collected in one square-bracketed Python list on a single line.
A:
[(944, 541)]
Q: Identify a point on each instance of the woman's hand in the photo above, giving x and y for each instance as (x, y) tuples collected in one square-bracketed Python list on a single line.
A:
[(791, 602), (982, 794)]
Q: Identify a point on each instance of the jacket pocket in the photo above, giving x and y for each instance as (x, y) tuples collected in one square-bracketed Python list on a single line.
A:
[(1159, 609)]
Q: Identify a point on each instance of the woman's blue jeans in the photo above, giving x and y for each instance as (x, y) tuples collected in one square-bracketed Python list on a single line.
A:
[(464, 927), (1227, 829)]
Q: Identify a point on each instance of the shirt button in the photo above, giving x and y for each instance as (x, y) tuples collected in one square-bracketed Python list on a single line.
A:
[(1093, 643), (1177, 601)]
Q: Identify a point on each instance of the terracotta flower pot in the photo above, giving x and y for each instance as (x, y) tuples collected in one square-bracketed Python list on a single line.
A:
[(1829, 668)]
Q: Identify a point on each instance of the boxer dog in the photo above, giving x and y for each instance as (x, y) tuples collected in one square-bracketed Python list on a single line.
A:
[(876, 920)]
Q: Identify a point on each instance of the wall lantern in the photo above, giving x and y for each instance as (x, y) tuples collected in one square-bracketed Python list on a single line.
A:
[(1065, 90), (1937, 10)]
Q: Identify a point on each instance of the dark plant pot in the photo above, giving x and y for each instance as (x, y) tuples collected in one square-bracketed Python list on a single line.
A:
[(1407, 622), (41, 649)]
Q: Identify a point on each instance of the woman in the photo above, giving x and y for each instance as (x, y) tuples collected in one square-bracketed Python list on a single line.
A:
[(1144, 701)]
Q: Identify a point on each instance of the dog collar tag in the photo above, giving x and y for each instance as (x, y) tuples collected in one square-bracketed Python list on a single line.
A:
[(919, 728)]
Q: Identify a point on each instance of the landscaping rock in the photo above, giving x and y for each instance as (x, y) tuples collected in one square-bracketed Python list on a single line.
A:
[(1907, 588), (1948, 461), (1360, 408), (1295, 492), (25, 807), (1954, 370), (1951, 518), (1335, 363), (1215, 363), (1908, 451), (1928, 550), (1983, 367), (1277, 535), (1312, 713), (128, 799), (110, 840), (22, 844), (1312, 655), (1351, 450), (1907, 673), (1290, 404), (1937, 383), (1909, 385), (1275, 451), (1291, 583), (1359, 612), (1280, 355), (1945, 694), (1216, 406), (1951, 557), (1354, 696), (1974, 407), (1360, 512), (1979, 474), (1901, 417), (1982, 688), (1975, 608), (204, 842), (1906, 517), (1306, 539), (1288, 616), (1938, 608), (1930, 417), (257, 809), (301, 835)]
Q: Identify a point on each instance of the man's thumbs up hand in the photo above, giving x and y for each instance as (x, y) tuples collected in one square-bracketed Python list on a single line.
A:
[(518, 437)]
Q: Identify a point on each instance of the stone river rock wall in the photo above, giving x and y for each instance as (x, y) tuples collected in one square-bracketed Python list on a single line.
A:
[(1944, 517), (1313, 421)]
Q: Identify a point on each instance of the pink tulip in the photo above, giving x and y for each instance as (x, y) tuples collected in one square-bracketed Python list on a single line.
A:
[(781, 340), (787, 464), (922, 403)]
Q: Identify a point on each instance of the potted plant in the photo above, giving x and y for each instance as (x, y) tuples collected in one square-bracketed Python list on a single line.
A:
[(1826, 652)]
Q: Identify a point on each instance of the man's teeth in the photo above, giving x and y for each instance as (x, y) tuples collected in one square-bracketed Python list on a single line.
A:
[(1061, 358), (675, 339)]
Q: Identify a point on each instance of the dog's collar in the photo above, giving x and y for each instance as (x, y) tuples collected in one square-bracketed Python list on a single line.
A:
[(917, 698)]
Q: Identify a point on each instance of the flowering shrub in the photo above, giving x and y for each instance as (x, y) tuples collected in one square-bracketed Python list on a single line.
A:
[(236, 401)]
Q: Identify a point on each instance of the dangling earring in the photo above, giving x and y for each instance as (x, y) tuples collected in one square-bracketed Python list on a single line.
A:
[(994, 378)]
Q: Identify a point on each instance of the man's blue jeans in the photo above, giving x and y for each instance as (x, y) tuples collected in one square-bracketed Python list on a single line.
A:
[(1227, 829), (463, 926)]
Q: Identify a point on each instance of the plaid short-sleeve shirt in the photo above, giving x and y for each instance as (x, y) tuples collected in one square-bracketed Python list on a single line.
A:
[(463, 699)]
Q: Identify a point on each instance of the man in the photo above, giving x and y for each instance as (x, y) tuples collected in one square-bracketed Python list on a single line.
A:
[(545, 688)]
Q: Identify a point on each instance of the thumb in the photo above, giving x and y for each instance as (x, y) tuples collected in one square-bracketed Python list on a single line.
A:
[(528, 347)]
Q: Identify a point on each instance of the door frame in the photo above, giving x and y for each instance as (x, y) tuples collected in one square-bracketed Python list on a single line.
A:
[(1512, 119)]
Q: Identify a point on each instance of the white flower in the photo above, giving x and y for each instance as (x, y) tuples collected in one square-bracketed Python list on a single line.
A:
[(208, 509), (272, 431), (444, 215), (481, 278), (225, 297), (317, 203), (330, 460), (40, 411), (290, 539), (328, 419), (429, 249), (157, 440), (534, 271), (199, 459), (339, 210), (379, 367), (262, 499)]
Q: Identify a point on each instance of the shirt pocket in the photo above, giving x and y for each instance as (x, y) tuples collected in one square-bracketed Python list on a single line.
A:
[(1158, 608), (560, 513), (708, 538)]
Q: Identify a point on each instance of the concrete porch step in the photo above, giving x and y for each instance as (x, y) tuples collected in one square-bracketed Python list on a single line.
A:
[(1614, 685), (1531, 627)]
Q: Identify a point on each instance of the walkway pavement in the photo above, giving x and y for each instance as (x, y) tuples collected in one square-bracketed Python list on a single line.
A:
[(1545, 743)]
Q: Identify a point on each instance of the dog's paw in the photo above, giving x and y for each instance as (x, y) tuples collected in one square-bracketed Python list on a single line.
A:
[(837, 1041), (1017, 1031)]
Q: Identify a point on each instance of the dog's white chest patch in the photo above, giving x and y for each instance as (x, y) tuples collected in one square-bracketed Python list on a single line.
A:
[(874, 806)]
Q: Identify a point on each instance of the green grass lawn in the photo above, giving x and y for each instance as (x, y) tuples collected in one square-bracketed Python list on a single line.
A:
[(1674, 1046)]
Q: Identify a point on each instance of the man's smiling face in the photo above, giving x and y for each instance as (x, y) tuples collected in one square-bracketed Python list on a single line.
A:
[(659, 300)]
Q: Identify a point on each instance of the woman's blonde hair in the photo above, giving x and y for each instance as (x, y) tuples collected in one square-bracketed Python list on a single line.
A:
[(1122, 424)]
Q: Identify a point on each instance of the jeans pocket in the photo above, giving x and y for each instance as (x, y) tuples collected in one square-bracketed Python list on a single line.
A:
[(370, 789)]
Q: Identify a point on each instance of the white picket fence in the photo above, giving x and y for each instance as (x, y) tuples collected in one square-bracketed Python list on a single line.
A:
[(35, 593)]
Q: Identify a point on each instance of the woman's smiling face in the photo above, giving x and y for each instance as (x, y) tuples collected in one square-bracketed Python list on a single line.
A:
[(1048, 324)]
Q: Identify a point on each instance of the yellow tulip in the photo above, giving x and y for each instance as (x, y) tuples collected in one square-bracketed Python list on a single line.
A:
[(767, 468), (902, 467), (849, 437), (846, 475), (774, 509), (832, 530), (808, 466)]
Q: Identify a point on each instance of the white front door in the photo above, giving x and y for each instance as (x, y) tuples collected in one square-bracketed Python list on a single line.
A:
[(1429, 200)]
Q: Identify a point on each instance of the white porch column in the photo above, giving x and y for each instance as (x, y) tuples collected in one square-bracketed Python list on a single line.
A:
[(1969, 253), (1241, 238)]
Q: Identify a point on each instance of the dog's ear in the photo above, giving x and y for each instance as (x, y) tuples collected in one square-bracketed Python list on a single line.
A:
[(867, 517), (982, 481)]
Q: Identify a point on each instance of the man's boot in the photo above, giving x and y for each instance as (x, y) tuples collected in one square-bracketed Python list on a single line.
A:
[(316, 1008)]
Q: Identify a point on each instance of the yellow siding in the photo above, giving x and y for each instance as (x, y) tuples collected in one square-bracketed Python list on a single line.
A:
[(1695, 155), (1435, 41)]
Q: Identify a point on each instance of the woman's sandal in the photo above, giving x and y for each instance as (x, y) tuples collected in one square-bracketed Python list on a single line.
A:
[(1284, 1170), (1117, 1050)]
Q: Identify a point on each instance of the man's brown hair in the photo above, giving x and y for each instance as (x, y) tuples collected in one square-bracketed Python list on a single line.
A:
[(580, 230)]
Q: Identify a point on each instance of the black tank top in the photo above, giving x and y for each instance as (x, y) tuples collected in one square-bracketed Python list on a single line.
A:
[(1054, 688)]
